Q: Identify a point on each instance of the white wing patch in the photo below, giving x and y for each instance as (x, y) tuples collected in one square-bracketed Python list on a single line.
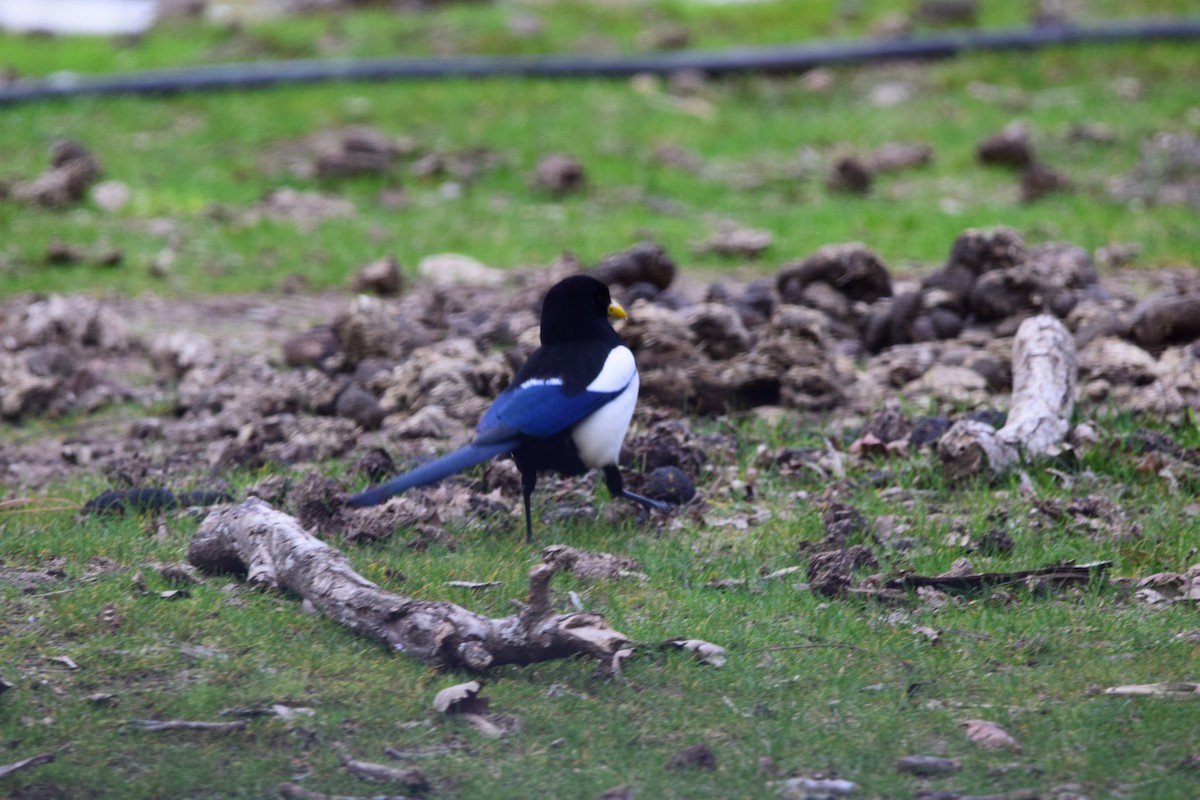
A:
[(617, 372), (541, 382)]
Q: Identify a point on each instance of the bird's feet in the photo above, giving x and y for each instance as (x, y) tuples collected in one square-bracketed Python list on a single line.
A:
[(657, 505)]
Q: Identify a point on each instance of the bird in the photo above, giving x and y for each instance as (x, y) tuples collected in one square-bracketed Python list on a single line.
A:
[(566, 411)]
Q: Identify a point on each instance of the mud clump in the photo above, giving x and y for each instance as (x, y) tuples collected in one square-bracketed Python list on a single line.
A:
[(73, 170), (380, 277), (560, 175), (671, 485), (645, 262)]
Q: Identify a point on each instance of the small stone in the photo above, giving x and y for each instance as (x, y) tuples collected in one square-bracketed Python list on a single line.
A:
[(110, 196)]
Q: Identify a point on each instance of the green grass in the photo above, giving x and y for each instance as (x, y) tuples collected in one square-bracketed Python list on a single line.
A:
[(819, 685), (199, 160)]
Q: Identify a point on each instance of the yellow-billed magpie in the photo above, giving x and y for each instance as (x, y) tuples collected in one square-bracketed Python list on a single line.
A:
[(567, 409)]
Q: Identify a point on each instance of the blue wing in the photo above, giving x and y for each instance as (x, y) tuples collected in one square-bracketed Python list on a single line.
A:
[(537, 409)]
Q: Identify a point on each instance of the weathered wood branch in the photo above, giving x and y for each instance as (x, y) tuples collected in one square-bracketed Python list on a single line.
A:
[(271, 549), (1044, 374)]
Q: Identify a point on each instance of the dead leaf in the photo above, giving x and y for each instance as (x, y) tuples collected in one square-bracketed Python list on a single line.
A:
[(990, 735), (64, 660), (1168, 587), (706, 652), (594, 566), (291, 712), (485, 726), (462, 698), (932, 635)]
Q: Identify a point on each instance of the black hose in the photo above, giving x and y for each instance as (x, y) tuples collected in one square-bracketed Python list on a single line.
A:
[(787, 58)]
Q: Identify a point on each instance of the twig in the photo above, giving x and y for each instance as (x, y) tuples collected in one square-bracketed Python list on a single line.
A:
[(832, 645), (32, 761), (294, 791), (411, 777), (188, 725)]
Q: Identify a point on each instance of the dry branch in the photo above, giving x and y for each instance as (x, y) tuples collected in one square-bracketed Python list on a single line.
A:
[(273, 550), (294, 791), (1044, 373), (188, 725), (32, 761)]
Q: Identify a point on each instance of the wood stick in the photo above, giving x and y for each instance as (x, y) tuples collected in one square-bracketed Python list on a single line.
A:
[(271, 549), (1044, 374)]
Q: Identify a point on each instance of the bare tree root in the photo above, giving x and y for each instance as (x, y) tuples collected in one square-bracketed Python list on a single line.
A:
[(1044, 373), (271, 549)]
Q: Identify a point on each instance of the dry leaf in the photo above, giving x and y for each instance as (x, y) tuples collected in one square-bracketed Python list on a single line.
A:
[(990, 736), (934, 637), (485, 726), (64, 660), (707, 652), (462, 698), (291, 712)]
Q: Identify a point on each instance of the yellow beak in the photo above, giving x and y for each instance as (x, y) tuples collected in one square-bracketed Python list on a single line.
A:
[(615, 311)]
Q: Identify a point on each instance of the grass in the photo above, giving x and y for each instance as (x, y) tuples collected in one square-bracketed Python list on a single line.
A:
[(198, 161), (839, 686)]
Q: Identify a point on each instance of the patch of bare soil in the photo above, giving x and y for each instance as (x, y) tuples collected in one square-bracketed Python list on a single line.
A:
[(175, 393)]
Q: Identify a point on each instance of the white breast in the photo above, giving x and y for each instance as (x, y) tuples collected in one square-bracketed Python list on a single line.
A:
[(598, 438)]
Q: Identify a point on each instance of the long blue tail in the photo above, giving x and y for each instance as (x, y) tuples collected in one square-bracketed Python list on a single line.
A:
[(432, 472)]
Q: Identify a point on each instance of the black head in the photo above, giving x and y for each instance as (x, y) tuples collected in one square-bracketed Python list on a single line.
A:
[(578, 308)]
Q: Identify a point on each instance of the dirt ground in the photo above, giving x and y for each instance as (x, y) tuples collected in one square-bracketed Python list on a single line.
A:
[(176, 392)]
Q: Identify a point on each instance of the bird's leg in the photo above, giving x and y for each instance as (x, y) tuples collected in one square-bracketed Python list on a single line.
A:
[(528, 482), (616, 487)]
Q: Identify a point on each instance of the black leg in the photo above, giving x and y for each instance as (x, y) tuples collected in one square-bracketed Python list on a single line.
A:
[(528, 482), (616, 487)]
